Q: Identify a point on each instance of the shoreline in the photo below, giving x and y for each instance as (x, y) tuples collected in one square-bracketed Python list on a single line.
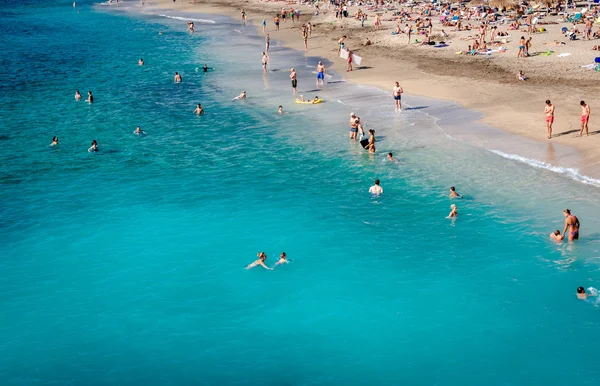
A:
[(496, 99)]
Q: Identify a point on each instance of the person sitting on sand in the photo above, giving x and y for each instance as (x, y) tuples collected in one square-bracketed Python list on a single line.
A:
[(396, 31), (199, 110), (521, 75), (282, 259), (556, 236), (597, 34), (241, 96), (368, 42), (261, 261), (596, 48)]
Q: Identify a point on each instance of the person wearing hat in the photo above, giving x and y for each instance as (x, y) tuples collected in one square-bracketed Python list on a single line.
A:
[(354, 122)]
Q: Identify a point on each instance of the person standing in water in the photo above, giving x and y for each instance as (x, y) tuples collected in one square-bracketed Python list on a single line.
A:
[(453, 211), (320, 74), (90, 98), (282, 259), (397, 94), (453, 193), (571, 223), (280, 110), (77, 95), (585, 118), (267, 43), (199, 110), (549, 113), (294, 78), (264, 26), (262, 257), (354, 122), (54, 141), (376, 190), (141, 62), (265, 61), (177, 78), (94, 147)]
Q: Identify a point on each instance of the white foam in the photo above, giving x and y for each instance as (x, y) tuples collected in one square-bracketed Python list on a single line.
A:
[(206, 21), (567, 172)]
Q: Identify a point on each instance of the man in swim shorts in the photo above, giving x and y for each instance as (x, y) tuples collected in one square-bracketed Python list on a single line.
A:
[(320, 74), (354, 121), (397, 94), (571, 223), (549, 112), (294, 79), (585, 118)]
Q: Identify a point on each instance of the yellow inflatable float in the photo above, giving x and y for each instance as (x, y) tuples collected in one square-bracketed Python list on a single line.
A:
[(309, 102)]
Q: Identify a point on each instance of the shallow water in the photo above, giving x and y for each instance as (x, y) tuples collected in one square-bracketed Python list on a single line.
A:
[(126, 266)]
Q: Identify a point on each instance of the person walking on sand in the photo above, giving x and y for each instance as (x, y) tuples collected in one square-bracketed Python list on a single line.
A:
[(320, 74), (341, 43), (521, 53), (549, 112), (267, 43), (265, 60), (397, 94), (276, 21), (305, 38), (349, 61), (585, 118), (571, 222), (377, 22), (294, 78)]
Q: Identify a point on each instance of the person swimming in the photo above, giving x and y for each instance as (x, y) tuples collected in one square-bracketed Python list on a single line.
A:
[(94, 147), (282, 259), (141, 62), (261, 261), (90, 98), (556, 236), (205, 68), (177, 78), (241, 96), (139, 131), (199, 110), (453, 193), (54, 141), (453, 212), (77, 95), (376, 190), (280, 111), (581, 294), (390, 157)]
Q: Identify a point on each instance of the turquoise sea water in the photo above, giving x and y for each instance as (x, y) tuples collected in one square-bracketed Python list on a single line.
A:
[(125, 267)]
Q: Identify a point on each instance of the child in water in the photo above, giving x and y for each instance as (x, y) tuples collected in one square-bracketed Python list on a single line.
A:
[(282, 259), (581, 294)]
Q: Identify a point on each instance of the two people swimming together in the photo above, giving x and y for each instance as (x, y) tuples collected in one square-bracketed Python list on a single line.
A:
[(262, 257)]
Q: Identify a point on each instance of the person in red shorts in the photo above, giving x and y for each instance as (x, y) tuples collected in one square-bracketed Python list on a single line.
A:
[(549, 112), (585, 118)]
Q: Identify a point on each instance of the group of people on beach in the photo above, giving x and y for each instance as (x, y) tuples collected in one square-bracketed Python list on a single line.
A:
[(585, 118)]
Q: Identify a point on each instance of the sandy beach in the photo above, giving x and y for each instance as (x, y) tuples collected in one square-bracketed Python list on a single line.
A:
[(487, 83)]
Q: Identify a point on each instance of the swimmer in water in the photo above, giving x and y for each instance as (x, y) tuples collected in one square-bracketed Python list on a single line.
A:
[(141, 62), (190, 26), (280, 111), (139, 131), (90, 98), (54, 141), (390, 156), (282, 259), (205, 68), (94, 147), (453, 212), (77, 95), (581, 294), (376, 189), (556, 236), (453, 193), (241, 96), (261, 261), (199, 110), (177, 78)]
